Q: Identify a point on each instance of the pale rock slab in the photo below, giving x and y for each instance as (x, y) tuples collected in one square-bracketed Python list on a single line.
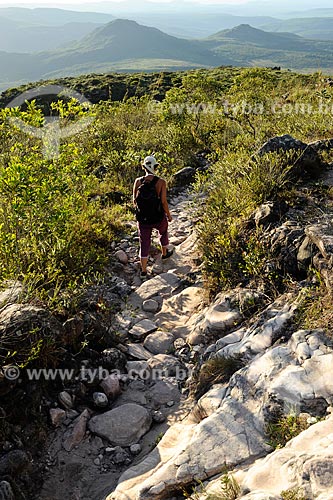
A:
[(305, 462), (177, 311), (265, 331), (163, 284), (200, 453), (212, 400)]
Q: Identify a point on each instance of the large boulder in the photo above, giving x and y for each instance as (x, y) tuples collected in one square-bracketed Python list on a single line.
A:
[(304, 158), (159, 343), (122, 426)]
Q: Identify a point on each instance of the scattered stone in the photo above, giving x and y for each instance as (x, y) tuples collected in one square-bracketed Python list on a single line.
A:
[(111, 386), (122, 256), (109, 450), (142, 329), (137, 351), (71, 414), (195, 338), (135, 449), (113, 359), (179, 343), (159, 343), (138, 369), (150, 306), (58, 416), (100, 399), (66, 400), (122, 426), (120, 456), (164, 391), (158, 417), (167, 366), (77, 431)]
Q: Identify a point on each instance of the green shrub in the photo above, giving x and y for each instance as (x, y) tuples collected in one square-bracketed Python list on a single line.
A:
[(284, 429), (214, 371), (293, 494)]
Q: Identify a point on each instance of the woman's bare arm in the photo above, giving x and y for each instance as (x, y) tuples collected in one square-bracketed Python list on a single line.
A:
[(135, 188), (164, 200)]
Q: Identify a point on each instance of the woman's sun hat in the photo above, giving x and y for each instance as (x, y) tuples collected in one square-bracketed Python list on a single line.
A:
[(149, 163)]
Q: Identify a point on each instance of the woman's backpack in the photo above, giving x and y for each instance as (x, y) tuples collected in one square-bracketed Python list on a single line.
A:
[(149, 209)]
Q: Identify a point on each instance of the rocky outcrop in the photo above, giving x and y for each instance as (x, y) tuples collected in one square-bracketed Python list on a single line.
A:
[(303, 157), (303, 466)]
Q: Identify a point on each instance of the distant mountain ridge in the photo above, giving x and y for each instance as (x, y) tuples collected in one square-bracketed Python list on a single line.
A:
[(320, 28), (47, 16), (126, 45)]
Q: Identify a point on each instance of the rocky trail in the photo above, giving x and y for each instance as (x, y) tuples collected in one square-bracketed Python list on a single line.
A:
[(192, 386), (87, 454)]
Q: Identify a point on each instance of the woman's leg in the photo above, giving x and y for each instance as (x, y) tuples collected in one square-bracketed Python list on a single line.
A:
[(162, 228), (145, 236)]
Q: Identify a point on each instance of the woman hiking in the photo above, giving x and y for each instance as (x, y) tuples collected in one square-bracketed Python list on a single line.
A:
[(152, 211)]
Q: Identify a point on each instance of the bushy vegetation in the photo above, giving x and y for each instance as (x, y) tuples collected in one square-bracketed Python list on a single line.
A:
[(58, 217)]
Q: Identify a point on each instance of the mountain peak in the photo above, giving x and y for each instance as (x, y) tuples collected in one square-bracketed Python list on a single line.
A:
[(245, 33)]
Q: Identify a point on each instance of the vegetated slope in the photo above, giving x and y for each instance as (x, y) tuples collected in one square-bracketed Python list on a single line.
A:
[(113, 87), (320, 28)]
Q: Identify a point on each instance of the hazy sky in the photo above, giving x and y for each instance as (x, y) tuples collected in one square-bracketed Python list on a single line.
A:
[(49, 3)]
